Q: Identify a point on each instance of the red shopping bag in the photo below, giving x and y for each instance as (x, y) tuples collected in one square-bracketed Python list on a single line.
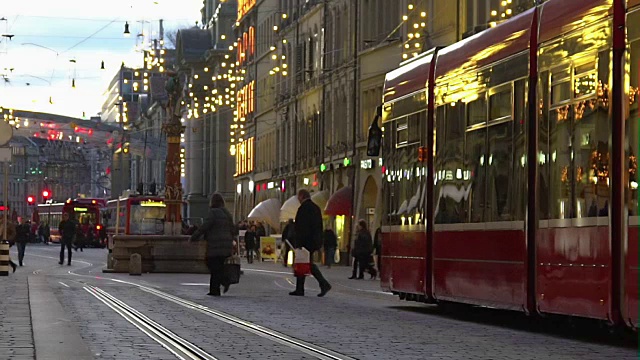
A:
[(301, 262)]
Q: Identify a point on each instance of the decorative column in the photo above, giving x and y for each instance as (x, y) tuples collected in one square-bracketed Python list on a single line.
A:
[(173, 128)]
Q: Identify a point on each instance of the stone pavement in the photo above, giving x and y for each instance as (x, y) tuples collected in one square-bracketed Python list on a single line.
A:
[(354, 319), (16, 337)]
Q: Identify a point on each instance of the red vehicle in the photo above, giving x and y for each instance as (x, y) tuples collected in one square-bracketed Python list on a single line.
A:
[(138, 215), (86, 211), (525, 193)]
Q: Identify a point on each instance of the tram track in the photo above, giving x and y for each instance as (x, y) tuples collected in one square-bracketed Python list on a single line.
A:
[(275, 336), (178, 346)]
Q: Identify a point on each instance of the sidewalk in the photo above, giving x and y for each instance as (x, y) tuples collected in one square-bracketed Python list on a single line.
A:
[(16, 336), (33, 322)]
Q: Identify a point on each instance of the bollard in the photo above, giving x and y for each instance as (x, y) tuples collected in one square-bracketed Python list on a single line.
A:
[(4, 258), (135, 264)]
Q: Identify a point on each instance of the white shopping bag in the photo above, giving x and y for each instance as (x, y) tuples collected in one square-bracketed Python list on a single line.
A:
[(301, 262)]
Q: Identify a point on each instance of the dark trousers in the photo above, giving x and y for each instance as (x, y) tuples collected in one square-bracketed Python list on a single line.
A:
[(216, 268), (21, 247), (315, 271), (329, 254), (360, 265), (80, 243), (250, 254), (67, 244)]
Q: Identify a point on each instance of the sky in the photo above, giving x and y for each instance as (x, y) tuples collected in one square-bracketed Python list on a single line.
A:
[(56, 41)]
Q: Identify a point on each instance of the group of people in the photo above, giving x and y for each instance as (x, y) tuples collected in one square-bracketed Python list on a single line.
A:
[(72, 235), (219, 232)]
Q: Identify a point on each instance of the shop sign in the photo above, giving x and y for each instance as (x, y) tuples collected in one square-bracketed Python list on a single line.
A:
[(367, 164)]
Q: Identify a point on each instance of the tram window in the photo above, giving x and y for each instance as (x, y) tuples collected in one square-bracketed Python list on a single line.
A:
[(561, 151), (477, 111), (408, 129), (560, 85), (500, 105), (476, 161), (449, 190), (543, 159), (499, 172), (560, 92), (584, 85), (519, 181)]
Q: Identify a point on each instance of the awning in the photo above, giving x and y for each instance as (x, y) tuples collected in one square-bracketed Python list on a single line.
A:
[(340, 202), (267, 211), (289, 209), (320, 198)]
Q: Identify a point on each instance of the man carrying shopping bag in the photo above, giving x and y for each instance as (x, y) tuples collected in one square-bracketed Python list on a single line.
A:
[(308, 236)]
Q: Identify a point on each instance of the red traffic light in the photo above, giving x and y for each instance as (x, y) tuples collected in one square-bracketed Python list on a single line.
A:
[(31, 199), (46, 194)]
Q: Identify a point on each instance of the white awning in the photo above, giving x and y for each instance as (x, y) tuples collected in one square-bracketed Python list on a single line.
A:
[(267, 211), (289, 209)]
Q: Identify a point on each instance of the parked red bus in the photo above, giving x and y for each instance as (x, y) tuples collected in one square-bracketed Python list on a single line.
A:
[(85, 211), (138, 215), (527, 197)]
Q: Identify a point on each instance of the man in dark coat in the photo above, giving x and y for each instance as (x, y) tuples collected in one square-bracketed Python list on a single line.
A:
[(308, 234), (22, 238), (67, 229)]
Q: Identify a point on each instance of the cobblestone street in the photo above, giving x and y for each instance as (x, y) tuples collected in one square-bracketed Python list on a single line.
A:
[(355, 320)]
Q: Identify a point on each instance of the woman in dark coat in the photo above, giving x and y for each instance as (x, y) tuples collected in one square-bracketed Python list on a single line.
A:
[(362, 249), (218, 230), (250, 243)]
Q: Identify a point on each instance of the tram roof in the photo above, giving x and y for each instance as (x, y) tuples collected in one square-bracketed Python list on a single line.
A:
[(494, 44), (560, 17), (409, 78)]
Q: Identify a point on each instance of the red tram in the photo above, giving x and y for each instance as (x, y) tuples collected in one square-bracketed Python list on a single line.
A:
[(86, 211), (135, 215), (528, 196)]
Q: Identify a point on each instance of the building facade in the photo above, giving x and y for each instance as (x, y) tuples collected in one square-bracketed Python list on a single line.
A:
[(204, 61)]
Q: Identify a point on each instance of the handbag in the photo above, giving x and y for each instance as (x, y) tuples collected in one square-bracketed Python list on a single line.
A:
[(301, 262), (232, 269), (336, 257)]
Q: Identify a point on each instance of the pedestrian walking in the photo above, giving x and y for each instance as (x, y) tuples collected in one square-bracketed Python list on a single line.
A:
[(362, 251), (11, 236), (47, 234), (308, 235), (81, 235), (41, 233), (330, 243), (23, 234), (67, 229), (250, 243), (218, 230)]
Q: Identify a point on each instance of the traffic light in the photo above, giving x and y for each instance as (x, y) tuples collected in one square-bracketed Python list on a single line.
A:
[(31, 200), (46, 194)]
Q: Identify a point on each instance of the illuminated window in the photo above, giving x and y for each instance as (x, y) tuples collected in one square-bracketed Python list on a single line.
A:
[(244, 157)]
